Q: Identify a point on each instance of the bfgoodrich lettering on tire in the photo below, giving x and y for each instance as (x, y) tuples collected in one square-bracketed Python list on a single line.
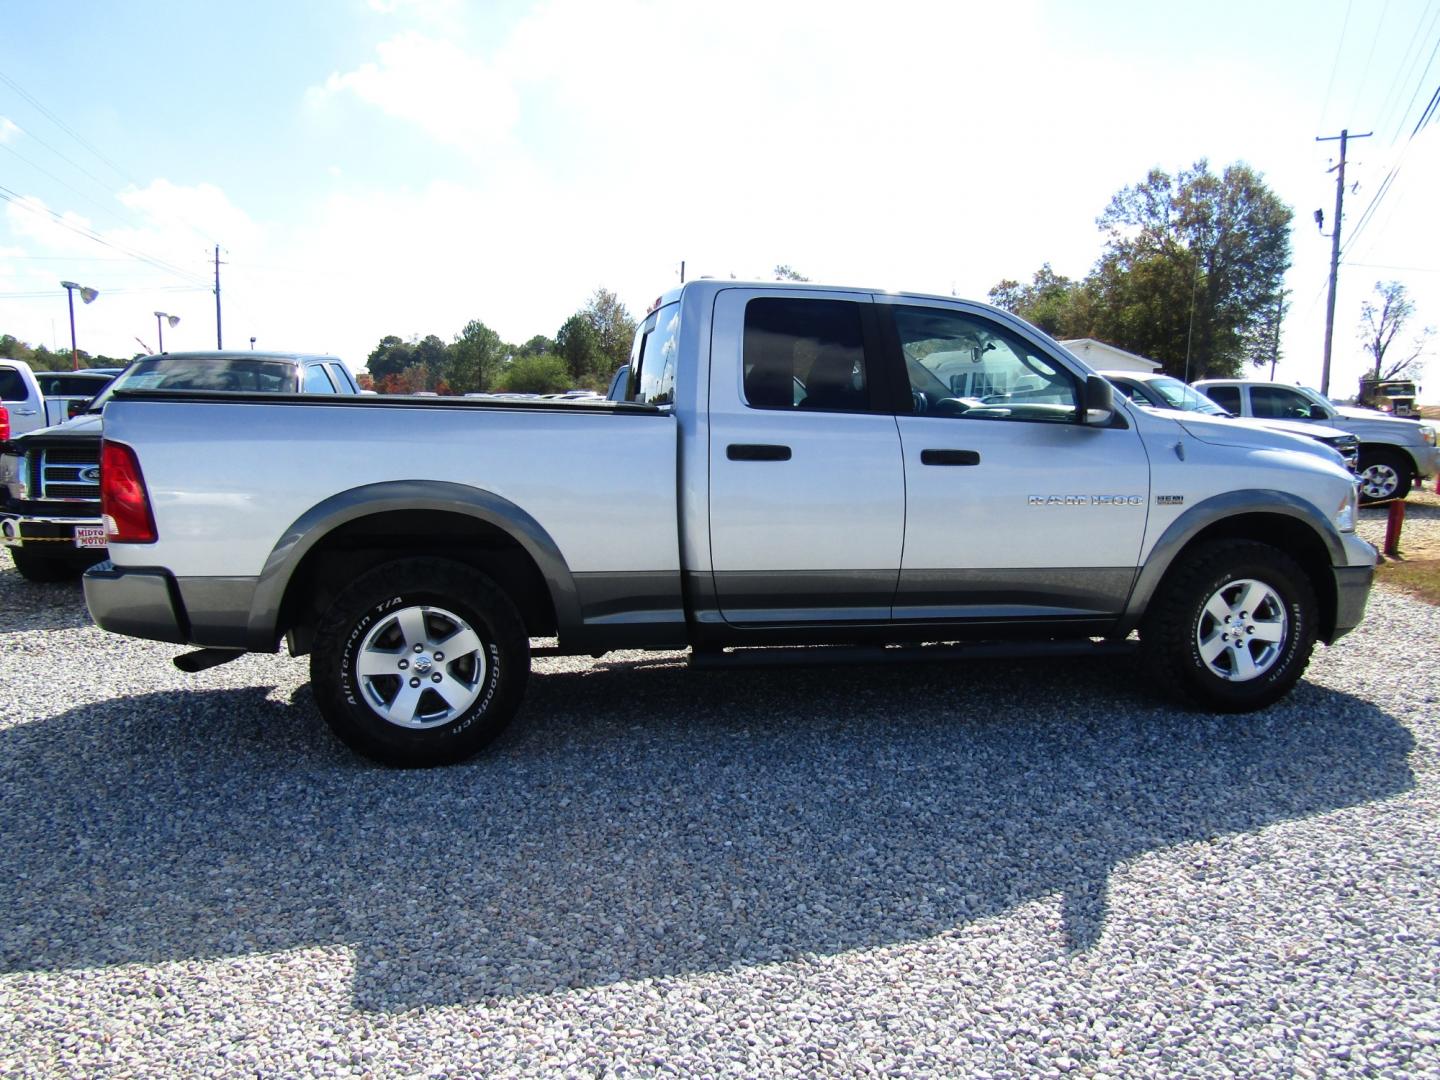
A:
[(1232, 626), (420, 662)]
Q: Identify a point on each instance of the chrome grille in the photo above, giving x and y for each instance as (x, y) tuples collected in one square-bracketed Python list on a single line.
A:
[(63, 473)]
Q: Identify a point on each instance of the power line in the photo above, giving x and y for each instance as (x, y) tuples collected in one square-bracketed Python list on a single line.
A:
[(18, 200), (1413, 52), (1335, 66), (1365, 71), (119, 171)]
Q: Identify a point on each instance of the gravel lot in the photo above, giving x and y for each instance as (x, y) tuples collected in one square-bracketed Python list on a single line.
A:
[(999, 869)]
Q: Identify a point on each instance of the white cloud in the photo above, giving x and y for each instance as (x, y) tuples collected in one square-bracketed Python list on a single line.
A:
[(8, 130), (451, 95)]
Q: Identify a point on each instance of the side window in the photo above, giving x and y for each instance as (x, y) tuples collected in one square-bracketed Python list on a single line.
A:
[(1129, 393), (653, 359), (341, 378), (805, 354), (317, 381), (12, 385), (1279, 403), (966, 366), (1227, 397)]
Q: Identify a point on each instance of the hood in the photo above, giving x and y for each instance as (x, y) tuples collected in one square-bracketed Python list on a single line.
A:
[(1374, 416), (1294, 427), (82, 426), (1235, 431)]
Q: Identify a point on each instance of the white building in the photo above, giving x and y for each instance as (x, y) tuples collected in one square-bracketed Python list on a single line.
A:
[(1104, 357)]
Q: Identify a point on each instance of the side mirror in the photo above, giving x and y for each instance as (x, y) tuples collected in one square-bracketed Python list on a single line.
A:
[(1319, 412), (1098, 406), (619, 385)]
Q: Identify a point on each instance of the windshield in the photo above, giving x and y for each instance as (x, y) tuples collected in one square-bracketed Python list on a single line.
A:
[(1186, 398), (202, 373)]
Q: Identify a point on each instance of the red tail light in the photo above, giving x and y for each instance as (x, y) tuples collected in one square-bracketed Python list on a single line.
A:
[(124, 502), (4, 423)]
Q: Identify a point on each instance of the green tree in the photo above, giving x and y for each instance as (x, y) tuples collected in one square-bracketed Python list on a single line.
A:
[(545, 373), (390, 357), (579, 346), (1381, 324), (475, 359), (1049, 301), (1204, 251), (783, 272), (614, 330), (536, 346)]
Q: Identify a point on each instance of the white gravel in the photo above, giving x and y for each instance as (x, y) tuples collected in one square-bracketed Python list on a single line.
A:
[(999, 869)]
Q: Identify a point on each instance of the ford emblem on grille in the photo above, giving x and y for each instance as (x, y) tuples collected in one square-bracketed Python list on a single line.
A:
[(91, 475)]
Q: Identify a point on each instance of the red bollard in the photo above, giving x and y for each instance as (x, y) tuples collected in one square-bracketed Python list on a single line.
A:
[(1393, 521)]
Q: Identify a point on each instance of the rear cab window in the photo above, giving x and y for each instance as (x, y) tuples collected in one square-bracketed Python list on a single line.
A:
[(652, 357)]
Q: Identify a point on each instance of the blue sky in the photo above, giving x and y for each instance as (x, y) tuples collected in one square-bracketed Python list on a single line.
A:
[(404, 166)]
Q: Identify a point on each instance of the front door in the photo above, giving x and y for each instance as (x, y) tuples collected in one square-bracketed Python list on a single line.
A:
[(1014, 509)]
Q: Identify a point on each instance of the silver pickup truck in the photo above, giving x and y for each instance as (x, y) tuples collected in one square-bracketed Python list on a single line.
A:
[(797, 472)]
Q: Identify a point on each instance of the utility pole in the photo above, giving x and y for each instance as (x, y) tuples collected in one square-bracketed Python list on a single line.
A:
[(1344, 138), (218, 343)]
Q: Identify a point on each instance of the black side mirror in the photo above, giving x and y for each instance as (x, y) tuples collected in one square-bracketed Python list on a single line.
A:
[(1319, 412), (1098, 407)]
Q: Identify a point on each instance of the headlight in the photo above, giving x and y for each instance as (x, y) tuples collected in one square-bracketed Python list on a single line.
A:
[(12, 474), (1427, 434), (1345, 515)]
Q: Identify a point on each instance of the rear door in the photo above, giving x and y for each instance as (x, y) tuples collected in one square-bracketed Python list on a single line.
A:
[(807, 486)]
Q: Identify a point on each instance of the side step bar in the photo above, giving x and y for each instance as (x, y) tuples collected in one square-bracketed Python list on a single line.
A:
[(830, 655)]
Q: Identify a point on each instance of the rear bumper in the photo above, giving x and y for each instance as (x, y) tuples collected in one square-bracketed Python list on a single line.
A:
[(137, 603), (152, 603)]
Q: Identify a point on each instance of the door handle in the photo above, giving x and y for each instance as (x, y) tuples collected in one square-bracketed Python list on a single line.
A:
[(23, 412), (757, 452), (949, 457)]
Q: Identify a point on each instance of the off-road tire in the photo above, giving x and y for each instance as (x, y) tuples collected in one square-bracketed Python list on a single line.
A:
[(1384, 475), (371, 624), (1178, 630)]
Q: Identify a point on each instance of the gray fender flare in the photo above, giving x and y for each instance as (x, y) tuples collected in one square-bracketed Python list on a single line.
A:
[(401, 495), (1212, 510)]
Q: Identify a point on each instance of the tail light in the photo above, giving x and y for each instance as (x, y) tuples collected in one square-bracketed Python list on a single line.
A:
[(4, 424), (124, 502)]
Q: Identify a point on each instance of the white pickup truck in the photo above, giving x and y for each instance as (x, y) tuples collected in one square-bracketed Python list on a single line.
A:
[(1393, 453), (36, 399), (789, 475)]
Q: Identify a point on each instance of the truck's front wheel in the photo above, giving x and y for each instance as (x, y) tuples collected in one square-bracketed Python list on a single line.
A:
[(1384, 474), (1232, 625), (420, 662)]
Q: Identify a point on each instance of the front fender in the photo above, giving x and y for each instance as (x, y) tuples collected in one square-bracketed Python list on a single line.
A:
[(1215, 511)]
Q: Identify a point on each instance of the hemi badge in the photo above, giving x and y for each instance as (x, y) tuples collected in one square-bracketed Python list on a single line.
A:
[(1169, 500)]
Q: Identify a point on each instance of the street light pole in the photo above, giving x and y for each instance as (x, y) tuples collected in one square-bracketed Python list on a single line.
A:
[(160, 316), (86, 296)]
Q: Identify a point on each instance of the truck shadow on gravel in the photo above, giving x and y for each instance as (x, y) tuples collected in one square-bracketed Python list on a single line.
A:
[(644, 821)]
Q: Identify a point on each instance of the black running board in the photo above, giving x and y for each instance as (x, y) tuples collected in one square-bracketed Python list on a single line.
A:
[(829, 655)]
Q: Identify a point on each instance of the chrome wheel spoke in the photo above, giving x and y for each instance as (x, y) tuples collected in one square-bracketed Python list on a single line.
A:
[(1244, 665), (1272, 630), (457, 695), (461, 643), (1218, 609), (1211, 648), (374, 662), (402, 707), (412, 624)]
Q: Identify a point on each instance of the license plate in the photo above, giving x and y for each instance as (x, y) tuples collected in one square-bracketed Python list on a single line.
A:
[(90, 536)]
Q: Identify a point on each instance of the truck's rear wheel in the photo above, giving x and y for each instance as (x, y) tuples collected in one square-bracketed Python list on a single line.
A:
[(420, 662), (1384, 474), (1232, 626)]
